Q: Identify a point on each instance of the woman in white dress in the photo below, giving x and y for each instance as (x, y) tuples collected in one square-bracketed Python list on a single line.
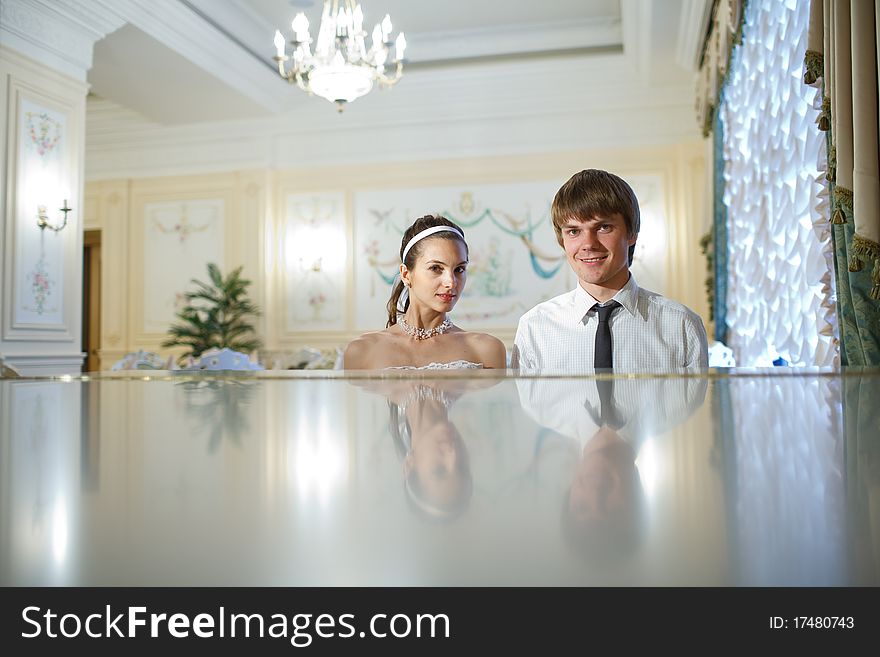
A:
[(419, 335)]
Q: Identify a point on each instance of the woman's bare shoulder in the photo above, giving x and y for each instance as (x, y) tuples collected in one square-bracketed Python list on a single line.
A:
[(370, 338), (365, 351), (486, 339), (491, 350)]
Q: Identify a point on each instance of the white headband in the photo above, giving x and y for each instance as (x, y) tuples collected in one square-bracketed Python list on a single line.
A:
[(425, 233)]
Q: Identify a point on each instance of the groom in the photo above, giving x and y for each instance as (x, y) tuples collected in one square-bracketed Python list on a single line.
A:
[(608, 321)]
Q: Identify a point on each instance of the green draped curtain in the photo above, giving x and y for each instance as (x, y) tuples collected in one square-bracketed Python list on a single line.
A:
[(719, 233), (842, 58)]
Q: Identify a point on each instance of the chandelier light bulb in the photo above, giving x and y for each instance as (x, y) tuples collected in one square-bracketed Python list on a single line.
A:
[(341, 68), (300, 26), (377, 37), (342, 22)]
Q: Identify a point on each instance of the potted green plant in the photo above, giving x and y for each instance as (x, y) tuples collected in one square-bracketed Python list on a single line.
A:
[(216, 315)]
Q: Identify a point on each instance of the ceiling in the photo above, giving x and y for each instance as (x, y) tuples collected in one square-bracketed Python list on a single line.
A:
[(180, 62)]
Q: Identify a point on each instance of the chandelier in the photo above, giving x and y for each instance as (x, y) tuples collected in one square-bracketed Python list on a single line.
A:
[(341, 68)]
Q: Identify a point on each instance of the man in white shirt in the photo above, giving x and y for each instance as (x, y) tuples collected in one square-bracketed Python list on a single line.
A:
[(607, 321)]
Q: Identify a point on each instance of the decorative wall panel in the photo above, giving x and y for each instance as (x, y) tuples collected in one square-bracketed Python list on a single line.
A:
[(315, 248), (41, 183), (180, 239)]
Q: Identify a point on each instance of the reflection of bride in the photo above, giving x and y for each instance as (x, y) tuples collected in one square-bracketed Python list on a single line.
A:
[(607, 422), (436, 464)]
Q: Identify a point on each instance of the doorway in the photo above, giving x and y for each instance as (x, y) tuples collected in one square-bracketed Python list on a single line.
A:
[(91, 311)]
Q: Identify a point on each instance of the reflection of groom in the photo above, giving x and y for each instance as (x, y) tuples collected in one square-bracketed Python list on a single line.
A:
[(608, 420)]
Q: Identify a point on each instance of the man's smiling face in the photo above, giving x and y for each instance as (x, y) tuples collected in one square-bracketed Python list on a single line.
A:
[(598, 252)]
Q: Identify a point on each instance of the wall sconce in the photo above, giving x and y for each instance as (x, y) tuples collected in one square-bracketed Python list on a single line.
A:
[(315, 248), (43, 218)]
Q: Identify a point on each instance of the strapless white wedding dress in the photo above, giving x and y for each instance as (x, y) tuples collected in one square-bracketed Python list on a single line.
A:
[(454, 365)]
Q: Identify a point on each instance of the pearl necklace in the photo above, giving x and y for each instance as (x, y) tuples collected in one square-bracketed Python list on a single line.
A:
[(424, 334)]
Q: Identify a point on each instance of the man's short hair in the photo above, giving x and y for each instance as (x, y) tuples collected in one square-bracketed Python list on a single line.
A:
[(591, 193)]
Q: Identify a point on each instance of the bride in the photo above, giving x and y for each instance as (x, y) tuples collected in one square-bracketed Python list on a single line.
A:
[(419, 335)]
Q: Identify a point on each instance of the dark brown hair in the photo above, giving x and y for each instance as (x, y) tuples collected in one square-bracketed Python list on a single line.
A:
[(420, 224), (595, 193)]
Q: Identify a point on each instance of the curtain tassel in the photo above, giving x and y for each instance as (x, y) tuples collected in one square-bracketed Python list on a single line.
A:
[(844, 203), (855, 263), (825, 115), (813, 66), (832, 164)]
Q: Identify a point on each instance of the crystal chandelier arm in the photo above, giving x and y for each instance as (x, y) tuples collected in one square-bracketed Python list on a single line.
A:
[(301, 81), (389, 80), (281, 70), (280, 57)]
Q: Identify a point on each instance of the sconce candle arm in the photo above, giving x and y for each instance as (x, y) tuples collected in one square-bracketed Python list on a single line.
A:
[(43, 218)]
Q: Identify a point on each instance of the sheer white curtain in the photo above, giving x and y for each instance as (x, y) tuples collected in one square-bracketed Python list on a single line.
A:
[(780, 300)]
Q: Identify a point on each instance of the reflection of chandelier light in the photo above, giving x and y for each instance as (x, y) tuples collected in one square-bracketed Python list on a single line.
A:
[(341, 68)]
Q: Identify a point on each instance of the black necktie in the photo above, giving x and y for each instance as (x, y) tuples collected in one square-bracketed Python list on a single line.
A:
[(608, 415), (602, 359)]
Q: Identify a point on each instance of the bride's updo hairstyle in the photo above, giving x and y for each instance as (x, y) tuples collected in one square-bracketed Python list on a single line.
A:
[(411, 249)]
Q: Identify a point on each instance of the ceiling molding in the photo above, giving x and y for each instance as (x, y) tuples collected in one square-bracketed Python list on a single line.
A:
[(184, 31), (58, 35), (692, 29), (119, 145), (497, 90), (642, 15), (630, 128), (631, 15), (519, 39), (250, 27)]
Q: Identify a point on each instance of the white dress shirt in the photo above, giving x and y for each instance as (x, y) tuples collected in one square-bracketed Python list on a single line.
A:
[(650, 333), (645, 406)]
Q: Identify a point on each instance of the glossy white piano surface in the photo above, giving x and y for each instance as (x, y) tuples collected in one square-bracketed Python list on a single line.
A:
[(734, 478)]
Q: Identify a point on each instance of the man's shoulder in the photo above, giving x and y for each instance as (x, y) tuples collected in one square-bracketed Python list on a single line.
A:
[(550, 307), (667, 305)]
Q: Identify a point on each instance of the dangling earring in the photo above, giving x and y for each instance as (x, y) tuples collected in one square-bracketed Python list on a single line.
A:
[(403, 298)]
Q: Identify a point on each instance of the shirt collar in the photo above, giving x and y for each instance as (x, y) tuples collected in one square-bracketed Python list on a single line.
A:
[(627, 296)]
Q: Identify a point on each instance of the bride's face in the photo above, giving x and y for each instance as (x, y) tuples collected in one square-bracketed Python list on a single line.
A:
[(437, 279)]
